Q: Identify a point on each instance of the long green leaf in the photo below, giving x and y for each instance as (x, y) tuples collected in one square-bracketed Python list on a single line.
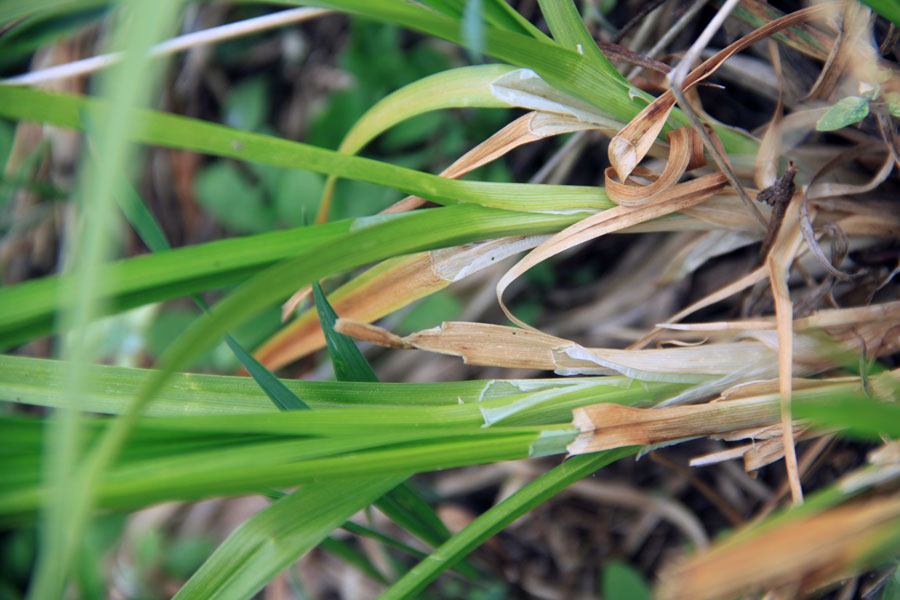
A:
[(39, 382), (192, 134), (568, 29), (288, 532), (29, 307), (401, 504), (248, 468), (266, 544)]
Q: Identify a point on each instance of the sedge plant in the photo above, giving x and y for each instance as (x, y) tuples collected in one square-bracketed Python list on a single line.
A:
[(118, 439)]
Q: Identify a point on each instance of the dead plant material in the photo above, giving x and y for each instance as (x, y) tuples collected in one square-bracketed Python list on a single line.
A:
[(633, 142), (387, 287), (778, 196), (766, 164), (512, 347), (798, 557), (605, 426), (778, 263), (802, 37), (638, 203)]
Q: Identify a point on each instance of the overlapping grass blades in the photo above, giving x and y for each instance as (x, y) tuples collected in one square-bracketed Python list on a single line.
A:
[(354, 449), (278, 535)]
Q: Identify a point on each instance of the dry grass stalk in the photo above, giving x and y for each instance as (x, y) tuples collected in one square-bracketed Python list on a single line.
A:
[(637, 204), (606, 426), (511, 347), (387, 287), (778, 263)]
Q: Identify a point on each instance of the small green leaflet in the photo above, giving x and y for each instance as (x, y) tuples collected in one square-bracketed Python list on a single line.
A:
[(845, 111)]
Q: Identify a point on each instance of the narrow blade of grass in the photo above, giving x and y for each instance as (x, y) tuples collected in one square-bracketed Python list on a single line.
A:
[(349, 363), (498, 517), (401, 504), (274, 538)]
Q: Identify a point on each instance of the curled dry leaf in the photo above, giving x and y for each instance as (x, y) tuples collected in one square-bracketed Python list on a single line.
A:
[(632, 143), (637, 204), (794, 559)]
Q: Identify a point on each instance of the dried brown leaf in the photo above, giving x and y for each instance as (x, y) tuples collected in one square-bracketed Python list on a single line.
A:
[(801, 555), (637, 204), (387, 287), (605, 426), (632, 143)]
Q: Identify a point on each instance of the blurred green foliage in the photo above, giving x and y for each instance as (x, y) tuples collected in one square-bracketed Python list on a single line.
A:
[(430, 312), (622, 581), (255, 198)]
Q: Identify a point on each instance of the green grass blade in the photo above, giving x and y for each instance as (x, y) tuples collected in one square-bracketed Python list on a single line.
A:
[(155, 469), (401, 504), (498, 517), (277, 392), (29, 307), (40, 382), (568, 29), (854, 414), (496, 12), (455, 88), (349, 363), (68, 508), (140, 218), (472, 26), (502, 15), (889, 9), (272, 539), (191, 134), (352, 556), (364, 531), (413, 511)]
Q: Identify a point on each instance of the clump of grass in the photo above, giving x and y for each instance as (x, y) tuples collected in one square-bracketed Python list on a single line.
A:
[(761, 367)]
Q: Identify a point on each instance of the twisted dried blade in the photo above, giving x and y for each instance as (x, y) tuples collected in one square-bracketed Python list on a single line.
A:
[(632, 143), (637, 204)]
